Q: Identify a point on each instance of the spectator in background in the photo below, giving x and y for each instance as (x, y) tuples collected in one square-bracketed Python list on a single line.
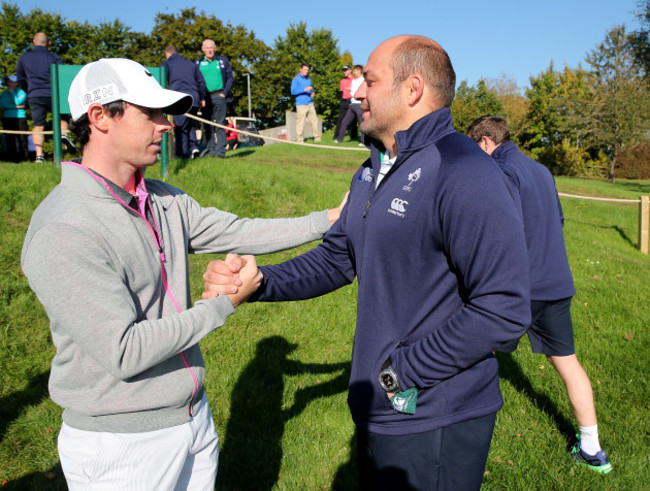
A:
[(218, 76), (232, 136), (346, 97), (551, 330), (12, 102), (185, 76), (33, 72), (354, 110), (303, 90)]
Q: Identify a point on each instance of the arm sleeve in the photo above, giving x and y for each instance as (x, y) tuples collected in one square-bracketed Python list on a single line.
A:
[(200, 84), (228, 77), (6, 101), (19, 97), (296, 89), (215, 231), (317, 272), (86, 295), (484, 239), (20, 73), (559, 205)]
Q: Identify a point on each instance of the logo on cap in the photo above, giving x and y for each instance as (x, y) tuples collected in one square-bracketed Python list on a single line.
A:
[(99, 94)]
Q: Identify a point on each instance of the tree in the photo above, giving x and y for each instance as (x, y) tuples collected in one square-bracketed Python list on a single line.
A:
[(74, 42), (514, 105), (559, 125), (318, 48), (188, 29), (346, 59), (640, 40), (472, 102), (17, 32), (622, 102)]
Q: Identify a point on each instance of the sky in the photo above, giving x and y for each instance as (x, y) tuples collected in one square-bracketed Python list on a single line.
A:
[(512, 38)]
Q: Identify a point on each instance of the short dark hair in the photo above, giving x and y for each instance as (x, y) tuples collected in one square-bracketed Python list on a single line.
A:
[(419, 54), (171, 49), (358, 67), (81, 127), (494, 127), (305, 64)]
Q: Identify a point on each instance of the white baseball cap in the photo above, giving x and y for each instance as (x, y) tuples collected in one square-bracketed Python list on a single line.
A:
[(118, 79)]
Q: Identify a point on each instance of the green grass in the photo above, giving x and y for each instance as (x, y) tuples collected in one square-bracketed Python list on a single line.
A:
[(277, 373)]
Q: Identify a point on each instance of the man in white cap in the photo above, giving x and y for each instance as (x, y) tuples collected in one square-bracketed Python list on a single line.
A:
[(106, 254)]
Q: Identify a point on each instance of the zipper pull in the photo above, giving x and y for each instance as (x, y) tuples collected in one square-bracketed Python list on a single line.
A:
[(365, 211)]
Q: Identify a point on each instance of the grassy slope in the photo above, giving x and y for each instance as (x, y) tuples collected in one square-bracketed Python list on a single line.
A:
[(277, 373)]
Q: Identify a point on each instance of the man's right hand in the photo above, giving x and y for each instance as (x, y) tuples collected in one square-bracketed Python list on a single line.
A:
[(239, 277)]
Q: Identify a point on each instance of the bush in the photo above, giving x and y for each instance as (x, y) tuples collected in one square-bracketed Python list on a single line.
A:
[(634, 162), (563, 159)]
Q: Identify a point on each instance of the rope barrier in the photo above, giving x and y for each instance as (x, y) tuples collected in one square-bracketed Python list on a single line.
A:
[(272, 138), (18, 132), (612, 200), (205, 121)]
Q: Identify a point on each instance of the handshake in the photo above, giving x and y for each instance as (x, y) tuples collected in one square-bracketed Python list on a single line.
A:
[(237, 277)]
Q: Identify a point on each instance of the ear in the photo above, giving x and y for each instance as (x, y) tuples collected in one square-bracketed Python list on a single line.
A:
[(415, 88), (487, 144), (98, 117)]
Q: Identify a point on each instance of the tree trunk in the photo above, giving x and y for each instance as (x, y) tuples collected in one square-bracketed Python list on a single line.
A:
[(611, 171)]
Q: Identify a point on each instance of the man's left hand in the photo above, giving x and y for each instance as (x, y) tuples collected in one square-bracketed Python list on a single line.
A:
[(222, 277)]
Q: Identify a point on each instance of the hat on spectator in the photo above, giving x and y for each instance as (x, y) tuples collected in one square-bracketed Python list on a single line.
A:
[(12, 78), (346, 67), (118, 79)]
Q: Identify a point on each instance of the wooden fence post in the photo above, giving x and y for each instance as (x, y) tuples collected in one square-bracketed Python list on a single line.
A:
[(644, 220)]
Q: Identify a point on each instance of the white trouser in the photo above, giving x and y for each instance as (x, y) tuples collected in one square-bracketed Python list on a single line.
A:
[(180, 457)]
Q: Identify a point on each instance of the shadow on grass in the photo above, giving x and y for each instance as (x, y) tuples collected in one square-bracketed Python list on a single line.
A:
[(510, 370), (624, 236), (49, 480), (642, 188), (178, 164), (12, 405), (240, 153), (252, 453), (616, 228)]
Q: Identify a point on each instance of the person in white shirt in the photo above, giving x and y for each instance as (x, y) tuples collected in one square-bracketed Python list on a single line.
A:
[(354, 111)]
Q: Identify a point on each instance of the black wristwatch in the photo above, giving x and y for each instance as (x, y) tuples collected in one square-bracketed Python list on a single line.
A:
[(388, 380)]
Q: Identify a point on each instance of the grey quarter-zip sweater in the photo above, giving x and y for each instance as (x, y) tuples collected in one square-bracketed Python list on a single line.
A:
[(116, 289)]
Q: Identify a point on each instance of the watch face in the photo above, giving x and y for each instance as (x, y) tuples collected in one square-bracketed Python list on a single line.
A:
[(388, 381)]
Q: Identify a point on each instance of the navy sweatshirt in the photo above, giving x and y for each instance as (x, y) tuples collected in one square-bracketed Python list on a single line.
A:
[(185, 76), (33, 71), (440, 256), (550, 275)]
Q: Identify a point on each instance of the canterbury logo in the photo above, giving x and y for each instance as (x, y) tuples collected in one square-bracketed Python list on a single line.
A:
[(399, 205)]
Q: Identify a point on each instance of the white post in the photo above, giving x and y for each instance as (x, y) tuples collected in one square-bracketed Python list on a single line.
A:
[(644, 220), (248, 82)]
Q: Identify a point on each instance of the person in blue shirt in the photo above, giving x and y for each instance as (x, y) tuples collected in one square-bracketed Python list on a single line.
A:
[(303, 90), (33, 72), (437, 246), (551, 330), (12, 103), (185, 76)]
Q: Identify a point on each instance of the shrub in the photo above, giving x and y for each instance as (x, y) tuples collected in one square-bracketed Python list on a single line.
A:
[(634, 162)]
